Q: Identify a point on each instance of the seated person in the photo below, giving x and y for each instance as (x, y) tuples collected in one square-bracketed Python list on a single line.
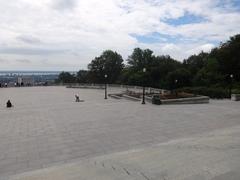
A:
[(77, 98), (9, 104)]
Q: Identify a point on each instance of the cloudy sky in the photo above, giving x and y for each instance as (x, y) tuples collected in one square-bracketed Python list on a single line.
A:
[(68, 34)]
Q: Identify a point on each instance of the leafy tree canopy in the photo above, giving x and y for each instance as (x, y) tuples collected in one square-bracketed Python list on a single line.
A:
[(109, 63), (213, 69)]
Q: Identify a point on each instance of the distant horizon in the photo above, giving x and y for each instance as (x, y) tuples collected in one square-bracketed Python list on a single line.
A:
[(28, 72), (2, 71), (32, 71)]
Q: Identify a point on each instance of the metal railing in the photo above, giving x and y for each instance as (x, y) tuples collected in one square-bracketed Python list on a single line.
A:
[(121, 86)]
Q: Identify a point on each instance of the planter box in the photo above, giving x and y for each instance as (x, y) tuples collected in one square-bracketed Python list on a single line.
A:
[(131, 98), (235, 97), (115, 96), (192, 100), (86, 87)]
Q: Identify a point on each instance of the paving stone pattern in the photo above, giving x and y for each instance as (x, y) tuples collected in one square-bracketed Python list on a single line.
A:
[(47, 128)]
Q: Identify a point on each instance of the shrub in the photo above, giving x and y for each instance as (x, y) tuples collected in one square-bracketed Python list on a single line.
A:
[(212, 92), (236, 91)]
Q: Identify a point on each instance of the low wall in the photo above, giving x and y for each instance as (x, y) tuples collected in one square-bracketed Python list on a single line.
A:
[(127, 87), (85, 87), (115, 96), (193, 100), (131, 98), (235, 97)]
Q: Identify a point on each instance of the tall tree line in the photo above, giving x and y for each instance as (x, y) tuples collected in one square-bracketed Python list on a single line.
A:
[(214, 69)]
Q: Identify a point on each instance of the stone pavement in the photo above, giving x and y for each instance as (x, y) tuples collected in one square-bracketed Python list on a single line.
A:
[(47, 128), (212, 156)]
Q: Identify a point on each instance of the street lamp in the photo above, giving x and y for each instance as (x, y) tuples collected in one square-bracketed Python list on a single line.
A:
[(176, 81), (105, 85), (143, 95), (230, 87)]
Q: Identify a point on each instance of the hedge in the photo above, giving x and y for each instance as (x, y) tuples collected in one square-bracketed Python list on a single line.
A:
[(212, 92)]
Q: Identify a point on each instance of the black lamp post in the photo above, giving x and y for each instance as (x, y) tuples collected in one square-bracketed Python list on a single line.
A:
[(143, 95), (176, 81), (230, 87), (105, 76)]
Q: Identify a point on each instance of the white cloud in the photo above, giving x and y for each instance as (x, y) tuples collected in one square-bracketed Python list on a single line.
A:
[(28, 39), (68, 34), (64, 4), (198, 49)]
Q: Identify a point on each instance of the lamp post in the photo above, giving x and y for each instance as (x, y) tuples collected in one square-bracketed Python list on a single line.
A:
[(176, 81), (143, 95), (105, 76), (230, 87)]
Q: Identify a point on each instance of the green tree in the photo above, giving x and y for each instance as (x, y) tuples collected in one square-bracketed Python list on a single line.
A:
[(209, 75), (110, 63), (157, 68), (66, 77), (228, 56), (140, 59), (195, 62), (178, 78), (82, 76)]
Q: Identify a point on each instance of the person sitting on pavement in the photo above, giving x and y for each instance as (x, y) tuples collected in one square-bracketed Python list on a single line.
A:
[(9, 104), (77, 98)]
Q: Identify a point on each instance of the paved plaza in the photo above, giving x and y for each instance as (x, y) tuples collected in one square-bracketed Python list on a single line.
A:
[(49, 136)]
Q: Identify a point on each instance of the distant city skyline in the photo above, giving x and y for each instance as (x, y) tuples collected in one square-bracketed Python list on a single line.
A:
[(57, 35), (17, 73)]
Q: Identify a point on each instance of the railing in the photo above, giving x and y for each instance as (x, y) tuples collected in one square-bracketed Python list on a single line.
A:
[(101, 86)]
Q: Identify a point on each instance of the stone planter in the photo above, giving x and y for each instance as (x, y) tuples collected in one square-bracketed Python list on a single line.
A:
[(131, 98), (192, 100), (235, 97)]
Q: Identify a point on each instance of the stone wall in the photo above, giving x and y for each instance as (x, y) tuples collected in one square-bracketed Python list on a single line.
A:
[(192, 100)]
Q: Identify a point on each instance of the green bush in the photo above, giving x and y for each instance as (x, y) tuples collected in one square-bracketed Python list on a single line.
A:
[(236, 91), (212, 92)]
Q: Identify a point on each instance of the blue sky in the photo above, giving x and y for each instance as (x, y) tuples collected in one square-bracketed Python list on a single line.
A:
[(232, 4), (68, 34), (156, 37), (186, 19)]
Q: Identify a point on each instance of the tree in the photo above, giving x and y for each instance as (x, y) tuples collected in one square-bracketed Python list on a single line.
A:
[(195, 62), (178, 78), (209, 75), (157, 68), (66, 77), (82, 76), (110, 63), (204, 69), (140, 59), (228, 56)]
